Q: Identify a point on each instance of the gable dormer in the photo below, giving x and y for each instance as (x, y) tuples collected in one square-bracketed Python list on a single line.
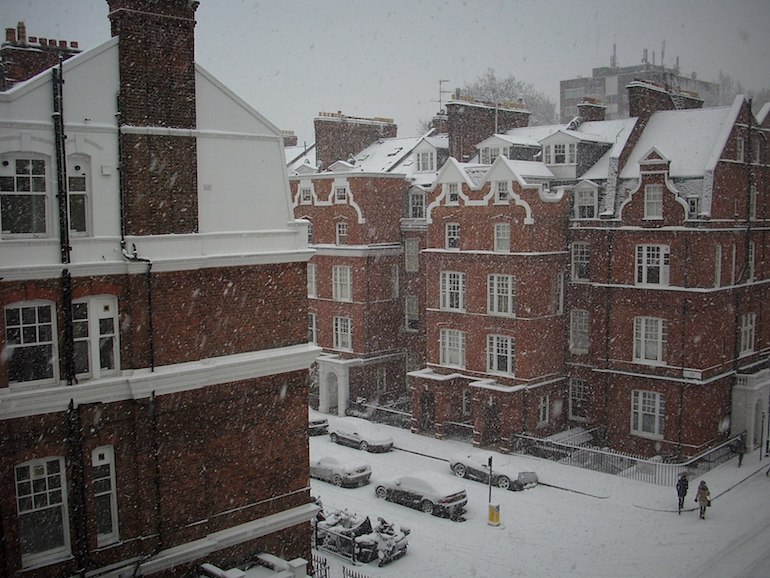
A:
[(559, 153), (655, 202), (425, 160)]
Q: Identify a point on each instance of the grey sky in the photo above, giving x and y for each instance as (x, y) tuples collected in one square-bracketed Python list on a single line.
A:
[(292, 59)]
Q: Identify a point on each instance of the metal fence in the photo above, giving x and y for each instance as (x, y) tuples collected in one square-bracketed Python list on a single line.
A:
[(320, 566), (654, 470)]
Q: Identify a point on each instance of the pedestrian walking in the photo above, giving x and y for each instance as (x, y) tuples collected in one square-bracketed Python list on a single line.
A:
[(682, 484), (703, 497), (741, 449)]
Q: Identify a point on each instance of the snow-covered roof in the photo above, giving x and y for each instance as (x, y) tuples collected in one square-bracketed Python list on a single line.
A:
[(600, 169), (300, 156), (688, 138)]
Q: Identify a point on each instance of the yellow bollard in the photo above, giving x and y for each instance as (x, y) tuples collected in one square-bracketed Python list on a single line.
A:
[(494, 515)]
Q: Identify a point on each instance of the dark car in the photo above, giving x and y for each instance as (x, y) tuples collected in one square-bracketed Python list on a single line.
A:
[(476, 467), (427, 491), (340, 472)]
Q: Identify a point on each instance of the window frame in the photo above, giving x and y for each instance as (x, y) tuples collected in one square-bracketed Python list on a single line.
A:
[(81, 164), (312, 322), (502, 238), (501, 347), (501, 295), (105, 456), (580, 331), (426, 161), (312, 280), (91, 331), (747, 334), (452, 347), (502, 192), (650, 337), (411, 313), (411, 255), (23, 327), (650, 257), (52, 489), (342, 232), (452, 291), (578, 399), (586, 198), (452, 236), (340, 194), (343, 333), (416, 204), (32, 198), (305, 195), (652, 404), (452, 193), (580, 261), (653, 202), (544, 410), (342, 283)]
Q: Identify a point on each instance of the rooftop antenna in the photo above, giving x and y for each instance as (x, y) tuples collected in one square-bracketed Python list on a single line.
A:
[(614, 57), (441, 93), (662, 53)]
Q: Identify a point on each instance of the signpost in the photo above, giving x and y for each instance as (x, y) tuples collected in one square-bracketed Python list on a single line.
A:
[(494, 509)]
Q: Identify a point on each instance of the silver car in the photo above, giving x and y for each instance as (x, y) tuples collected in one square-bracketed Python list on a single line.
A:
[(361, 434), (347, 473)]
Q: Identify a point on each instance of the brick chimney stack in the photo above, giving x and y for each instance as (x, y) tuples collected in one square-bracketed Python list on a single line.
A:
[(156, 51), (591, 110), (338, 136)]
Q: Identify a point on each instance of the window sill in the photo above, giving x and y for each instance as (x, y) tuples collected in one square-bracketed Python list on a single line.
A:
[(646, 435)]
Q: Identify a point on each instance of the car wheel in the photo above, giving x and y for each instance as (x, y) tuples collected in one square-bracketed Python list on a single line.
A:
[(459, 470), (363, 446), (427, 506), (337, 480), (333, 437), (381, 492), (503, 482)]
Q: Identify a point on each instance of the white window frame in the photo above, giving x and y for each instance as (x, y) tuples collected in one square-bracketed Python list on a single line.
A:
[(653, 264), (312, 323), (502, 238), (79, 194), (650, 338), (28, 186), (750, 261), (343, 333), (96, 329), (309, 232), (560, 154), (502, 192), (489, 155), (543, 410), (452, 348), (586, 204), (580, 331), (452, 236), (547, 154), (581, 261), (452, 291), (501, 295), (340, 194), (411, 255), (693, 207), (104, 488), (653, 201), (342, 233), (748, 333), (501, 355), (43, 481), (312, 288), (342, 283), (32, 324), (648, 414), (411, 313), (426, 162), (305, 195), (452, 193), (416, 204), (740, 146), (578, 399)]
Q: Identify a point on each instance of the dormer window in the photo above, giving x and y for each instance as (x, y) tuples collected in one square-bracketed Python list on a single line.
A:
[(340, 194), (501, 192), (693, 207), (560, 154), (453, 193), (489, 154), (305, 195), (653, 201), (585, 204), (426, 162)]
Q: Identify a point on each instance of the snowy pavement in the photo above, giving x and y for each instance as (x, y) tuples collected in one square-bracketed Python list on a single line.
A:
[(576, 523)]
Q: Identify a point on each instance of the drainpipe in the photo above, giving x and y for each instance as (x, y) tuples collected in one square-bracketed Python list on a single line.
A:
[(133, 254), (78, 499), (60, 138)]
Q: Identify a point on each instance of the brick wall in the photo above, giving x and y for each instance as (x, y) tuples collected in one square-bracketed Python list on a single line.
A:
[(471, 123), (338, 136)]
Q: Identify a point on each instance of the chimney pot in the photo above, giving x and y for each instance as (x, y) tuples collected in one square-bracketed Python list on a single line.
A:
[(52, 42), (21, 33), (74, 44), (62, 44), (33, 39), (10, 35)]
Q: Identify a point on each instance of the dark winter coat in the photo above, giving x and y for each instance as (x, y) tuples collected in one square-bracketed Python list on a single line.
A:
[(681, 487)]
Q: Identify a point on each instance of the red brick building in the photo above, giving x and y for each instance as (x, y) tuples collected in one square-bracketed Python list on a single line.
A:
[(153, 382)]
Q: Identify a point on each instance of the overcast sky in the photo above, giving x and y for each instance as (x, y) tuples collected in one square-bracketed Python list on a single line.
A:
[(291, 59)]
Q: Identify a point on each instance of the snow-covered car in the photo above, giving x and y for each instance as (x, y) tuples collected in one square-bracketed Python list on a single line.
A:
[(317, 423), (361, 434), (475, 466), (340, 472), (427, 491)]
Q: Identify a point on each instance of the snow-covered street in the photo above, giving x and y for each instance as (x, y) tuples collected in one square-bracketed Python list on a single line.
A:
[(575, 523)]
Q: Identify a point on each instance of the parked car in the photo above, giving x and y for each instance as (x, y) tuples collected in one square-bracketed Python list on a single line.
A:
[(426, 491), (317, 423), (361, 434), (476, 467), (340, 472)]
